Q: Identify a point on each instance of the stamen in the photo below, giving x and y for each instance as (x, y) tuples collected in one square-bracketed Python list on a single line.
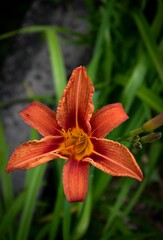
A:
[(77, 143)]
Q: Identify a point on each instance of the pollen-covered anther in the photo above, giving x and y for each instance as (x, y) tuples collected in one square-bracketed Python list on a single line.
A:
[(76, 143)]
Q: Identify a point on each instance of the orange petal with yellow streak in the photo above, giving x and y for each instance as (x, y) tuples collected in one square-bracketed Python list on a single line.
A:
[(114, 159), (75, 180), (75, 107), (42, 118), (106, 119), (34, 153)]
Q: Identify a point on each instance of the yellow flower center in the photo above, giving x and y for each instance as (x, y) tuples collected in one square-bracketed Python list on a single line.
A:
[(76, 144)]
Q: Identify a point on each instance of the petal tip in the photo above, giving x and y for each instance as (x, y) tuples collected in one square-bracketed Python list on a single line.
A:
[(75, 199), (114, 159), (140, 176), (7, 170)]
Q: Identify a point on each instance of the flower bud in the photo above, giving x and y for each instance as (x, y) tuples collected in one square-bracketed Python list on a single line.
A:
[(153, 123), (152, 137), (138, 145), (135, 139)]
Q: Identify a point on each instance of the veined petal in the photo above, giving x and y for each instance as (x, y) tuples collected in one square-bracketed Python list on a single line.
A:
[(34, 153), (75, 107), (114, 159), (42, 118), (75, 180), (106, 119)]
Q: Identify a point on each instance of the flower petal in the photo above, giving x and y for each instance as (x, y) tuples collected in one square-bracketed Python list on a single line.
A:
[(42, 118), (75, 180), (34, 153), (106, 119), (114, 158), (75, 108)]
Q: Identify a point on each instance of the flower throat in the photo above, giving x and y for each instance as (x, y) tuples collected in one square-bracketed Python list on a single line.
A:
[(77, 143)]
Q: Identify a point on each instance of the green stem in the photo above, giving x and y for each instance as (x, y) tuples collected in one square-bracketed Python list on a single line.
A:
[(135, 132)]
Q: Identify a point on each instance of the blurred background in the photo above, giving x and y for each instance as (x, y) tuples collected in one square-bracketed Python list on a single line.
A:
[(121, 45)]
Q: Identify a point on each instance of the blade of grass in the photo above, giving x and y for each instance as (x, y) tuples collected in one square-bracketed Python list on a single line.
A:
[(58, 68), (43, 233), (30, 202), (66, 220), (149, 41), (95, 61), (101, 182), (154, 153), (137, 120), (151, 98), (134, 83), (33, 185), (31, 29), (84, 217), (12, 212), (7, 188), (127, 184), (147, 95), (6, 181), (158, 20), (123, 228), (58, 206), (39, 29), (59, 79)]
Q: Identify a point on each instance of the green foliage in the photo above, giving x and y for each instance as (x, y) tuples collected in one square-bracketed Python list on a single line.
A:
[(126, 66)]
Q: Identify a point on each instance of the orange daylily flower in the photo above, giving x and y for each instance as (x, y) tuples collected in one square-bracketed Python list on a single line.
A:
[(74, 134)]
